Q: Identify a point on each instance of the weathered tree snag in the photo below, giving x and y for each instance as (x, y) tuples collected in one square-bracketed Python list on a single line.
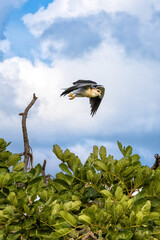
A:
[(156, 163), (27, 149), (43, 170)]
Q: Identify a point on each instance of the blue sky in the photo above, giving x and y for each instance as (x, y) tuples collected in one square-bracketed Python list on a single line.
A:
[(46, 45)]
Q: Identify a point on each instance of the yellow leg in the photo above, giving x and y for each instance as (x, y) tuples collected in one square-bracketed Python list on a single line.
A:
[(71, 96)]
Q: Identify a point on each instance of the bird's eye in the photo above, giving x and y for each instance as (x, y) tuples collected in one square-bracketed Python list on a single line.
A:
[(98, 90)]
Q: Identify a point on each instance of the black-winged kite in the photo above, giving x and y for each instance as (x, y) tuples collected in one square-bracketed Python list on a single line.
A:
[(86, 88)]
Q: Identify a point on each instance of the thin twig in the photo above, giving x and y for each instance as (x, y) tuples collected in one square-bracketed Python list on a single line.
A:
[(89, 234), (27, 154)]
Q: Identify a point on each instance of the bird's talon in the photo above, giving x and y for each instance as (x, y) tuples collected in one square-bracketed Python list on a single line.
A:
[(71, 98), (70, 95)]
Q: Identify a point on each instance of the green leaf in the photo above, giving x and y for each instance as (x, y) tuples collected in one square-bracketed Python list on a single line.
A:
[(13, 159), (55, 209), (72, 205), (118, 211), (43, 235), (139, 179), (101, 166), (12, 198), (8, 211), (3, 158), (132, 218), (90, 175), (128, 151), (60, 185), (139, 218), (29, 222), (96, 178), (38, 170), (146, 208), (106, 193), (108, 204), (66, 155), (84, 218), (58, 152), (95, 152), (156, 233), (27, 210), (19, 166), (4, 170), (119, 193), (103, 153), (13, 236), (157, 222), (121, 165), (64, 168), (1, 235), (128, 171), (135, 158), (121, 148), (1, 179), (60, 233), (6, 179), (154, 215), (125, 235), (60, 225), (43, 195), (3, 145), (69, 218), (129, 203)]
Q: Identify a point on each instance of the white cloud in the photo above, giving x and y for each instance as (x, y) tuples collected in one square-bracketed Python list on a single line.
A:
[(4, 46), (49, 46), (58, 9)]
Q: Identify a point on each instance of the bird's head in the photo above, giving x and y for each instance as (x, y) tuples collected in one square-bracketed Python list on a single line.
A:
[(96, 92)]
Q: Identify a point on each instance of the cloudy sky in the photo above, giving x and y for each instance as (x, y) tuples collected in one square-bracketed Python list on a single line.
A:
[(46, 45)]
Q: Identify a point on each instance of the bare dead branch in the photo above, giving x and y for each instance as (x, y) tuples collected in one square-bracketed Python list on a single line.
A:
[(31, 157), (27, 154), (156, 163), (80, 232), (43, 168)]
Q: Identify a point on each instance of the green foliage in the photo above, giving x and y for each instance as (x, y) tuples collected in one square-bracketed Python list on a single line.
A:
[(112, 199)]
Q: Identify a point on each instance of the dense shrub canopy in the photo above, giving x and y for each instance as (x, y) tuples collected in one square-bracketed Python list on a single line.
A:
[(106, 198)]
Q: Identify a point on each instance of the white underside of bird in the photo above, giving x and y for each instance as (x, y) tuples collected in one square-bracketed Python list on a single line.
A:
[(89, 93)]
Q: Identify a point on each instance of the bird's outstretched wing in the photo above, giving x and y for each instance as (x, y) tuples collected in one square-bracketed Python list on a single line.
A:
[(84, 82), (79, 84), (68, 90), (95, 102)]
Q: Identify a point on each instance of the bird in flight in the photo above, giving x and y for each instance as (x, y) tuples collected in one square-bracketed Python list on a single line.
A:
[(86, 88)]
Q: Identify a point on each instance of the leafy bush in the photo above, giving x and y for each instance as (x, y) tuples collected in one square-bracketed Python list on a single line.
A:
[(107, 198)]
